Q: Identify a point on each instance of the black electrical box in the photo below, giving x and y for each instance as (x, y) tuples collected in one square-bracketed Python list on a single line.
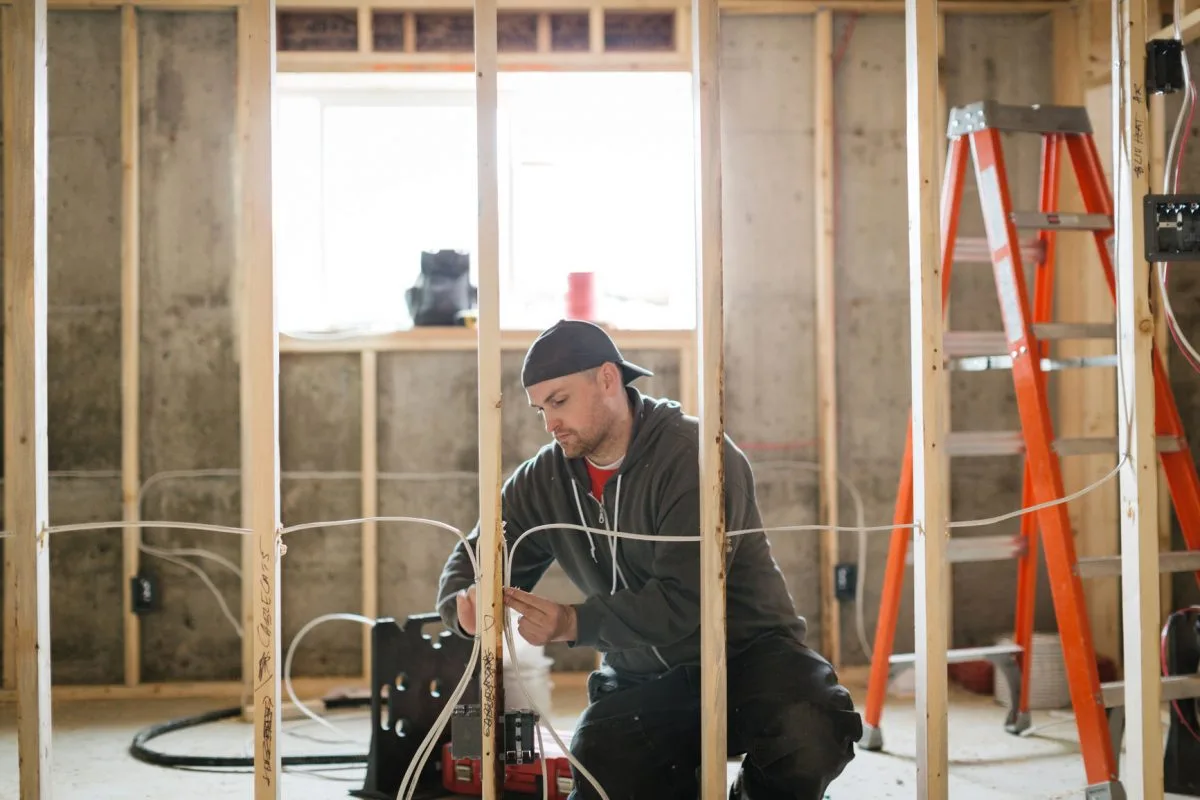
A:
[(845, 581), (1164, 66), (145, 593), (1172, 227)]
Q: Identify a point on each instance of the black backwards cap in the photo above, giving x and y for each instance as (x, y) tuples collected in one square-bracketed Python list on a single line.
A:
[(570, 346)]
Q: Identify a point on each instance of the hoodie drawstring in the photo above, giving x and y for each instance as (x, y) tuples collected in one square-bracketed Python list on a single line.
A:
[(612, 547)]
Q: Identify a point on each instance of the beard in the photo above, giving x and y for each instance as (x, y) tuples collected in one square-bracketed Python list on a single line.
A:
[(575, 444)]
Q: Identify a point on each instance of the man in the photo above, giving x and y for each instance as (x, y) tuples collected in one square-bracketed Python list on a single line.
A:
[(622, 461)]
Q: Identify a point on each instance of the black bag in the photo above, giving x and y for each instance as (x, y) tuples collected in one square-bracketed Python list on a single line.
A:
[(443, 290)]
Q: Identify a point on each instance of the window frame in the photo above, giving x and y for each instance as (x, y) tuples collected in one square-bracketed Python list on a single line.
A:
[(448, 96)]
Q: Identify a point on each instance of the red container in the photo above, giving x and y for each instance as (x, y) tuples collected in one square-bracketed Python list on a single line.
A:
[(581, 296), (465, 776)]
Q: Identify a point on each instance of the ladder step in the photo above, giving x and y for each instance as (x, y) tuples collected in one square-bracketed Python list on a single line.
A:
[(958, 344), (1174, 687), (1061, 221), (975, 250), (985, 363), (1104, 566), (964, 655), (1020, 119), (977, 549), (1012, 443)]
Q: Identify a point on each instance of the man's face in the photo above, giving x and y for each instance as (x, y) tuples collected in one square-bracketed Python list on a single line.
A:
[(576, 409)]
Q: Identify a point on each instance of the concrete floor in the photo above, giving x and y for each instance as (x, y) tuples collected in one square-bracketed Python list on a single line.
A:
[(91, 744)]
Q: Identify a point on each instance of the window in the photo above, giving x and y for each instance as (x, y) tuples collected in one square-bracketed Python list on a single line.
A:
[(596, 175)]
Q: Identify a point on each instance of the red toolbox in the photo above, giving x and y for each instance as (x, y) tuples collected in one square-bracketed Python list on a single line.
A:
[(463, 775)]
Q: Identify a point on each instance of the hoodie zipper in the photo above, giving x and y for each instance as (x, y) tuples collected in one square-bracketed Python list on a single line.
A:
[(616, 566)]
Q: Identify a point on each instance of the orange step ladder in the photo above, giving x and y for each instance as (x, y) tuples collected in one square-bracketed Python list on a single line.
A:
[(1022, 347)]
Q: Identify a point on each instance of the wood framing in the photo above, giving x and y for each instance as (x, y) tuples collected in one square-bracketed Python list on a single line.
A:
[(26, 667), (1135, 405), (489, 597), (740, 7), (710, 342), (256, 75), (26, 484), (827, 403), (447, 338), (534, 35), (1086, 398), (131, 538), (1162, 340), (931, 570), (245, 360), (370, 500), (188, 690)]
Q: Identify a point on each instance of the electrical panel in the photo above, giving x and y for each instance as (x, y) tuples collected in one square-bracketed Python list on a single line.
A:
[(1172, 227)]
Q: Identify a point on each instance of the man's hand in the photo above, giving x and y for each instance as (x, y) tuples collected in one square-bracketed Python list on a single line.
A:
[(541, 620), (466, 610)]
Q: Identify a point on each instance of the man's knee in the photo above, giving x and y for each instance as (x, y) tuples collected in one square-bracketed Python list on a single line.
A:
[(616, 756), (633, 758), (801, 752)]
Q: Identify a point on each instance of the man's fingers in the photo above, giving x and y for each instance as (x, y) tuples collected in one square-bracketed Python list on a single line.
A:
[(524, 602), (531, 632)]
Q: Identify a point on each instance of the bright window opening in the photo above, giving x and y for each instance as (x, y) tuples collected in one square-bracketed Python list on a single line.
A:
[(596, 176)]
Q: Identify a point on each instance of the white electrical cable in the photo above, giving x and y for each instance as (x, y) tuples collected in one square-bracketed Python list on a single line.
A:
[(195, 552), (204, 577), (1171, 183), (860, 622), (287, 667)]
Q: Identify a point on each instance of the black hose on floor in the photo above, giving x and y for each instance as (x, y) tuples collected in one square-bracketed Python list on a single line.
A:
[(142, 753)]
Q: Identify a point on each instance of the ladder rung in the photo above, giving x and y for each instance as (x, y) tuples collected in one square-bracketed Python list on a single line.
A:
[(1107, 445), (995, 343), (1061, 221), (1020, 119), (964, 655), (975, 250), (976, 549), (1105, 566), (985, 363), (1174, 687), (1012, 443)]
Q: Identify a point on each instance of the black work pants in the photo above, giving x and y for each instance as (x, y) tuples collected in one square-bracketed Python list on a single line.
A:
[(786, 714)]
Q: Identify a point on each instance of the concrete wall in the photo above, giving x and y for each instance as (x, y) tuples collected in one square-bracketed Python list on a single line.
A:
[(769, 119), (189, 384)]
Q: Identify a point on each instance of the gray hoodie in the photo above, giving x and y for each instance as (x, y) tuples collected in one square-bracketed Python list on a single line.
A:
[(643, 597)]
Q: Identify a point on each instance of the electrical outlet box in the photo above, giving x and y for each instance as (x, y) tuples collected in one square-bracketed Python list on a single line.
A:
[(1164, 66), (845, 581), (145, 594)]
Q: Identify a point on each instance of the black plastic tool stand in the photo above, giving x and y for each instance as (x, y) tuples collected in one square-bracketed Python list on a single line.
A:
[(414, 669)]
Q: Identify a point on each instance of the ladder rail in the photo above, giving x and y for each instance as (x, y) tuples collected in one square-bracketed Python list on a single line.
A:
[(1057, 540), (1043, 295)]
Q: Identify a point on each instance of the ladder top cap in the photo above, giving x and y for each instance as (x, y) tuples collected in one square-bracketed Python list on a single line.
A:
[(1019, 119)]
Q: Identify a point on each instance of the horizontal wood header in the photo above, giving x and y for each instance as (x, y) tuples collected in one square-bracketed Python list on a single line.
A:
[(441, 36), (457, 338)]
